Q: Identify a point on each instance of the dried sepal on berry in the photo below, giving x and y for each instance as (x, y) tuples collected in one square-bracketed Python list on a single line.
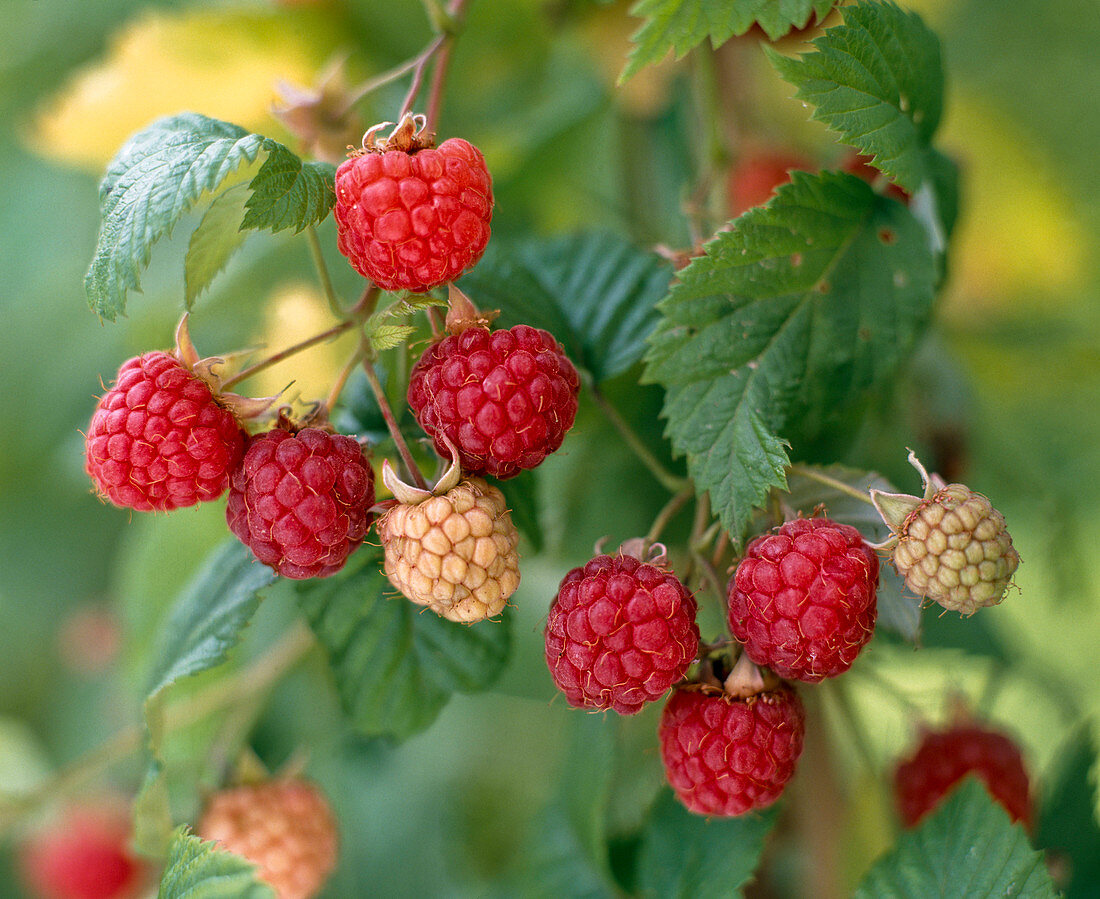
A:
[(452, 548), (732, 749), (950, 545)]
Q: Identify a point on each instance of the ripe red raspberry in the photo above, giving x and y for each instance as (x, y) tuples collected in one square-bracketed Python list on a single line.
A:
[(159, 439), (505, 398), (803, 599), (410, 216), (943, 758), (620, 632), (759, 174), (285, 827), (727, 756), (300, 501), (84, 855)]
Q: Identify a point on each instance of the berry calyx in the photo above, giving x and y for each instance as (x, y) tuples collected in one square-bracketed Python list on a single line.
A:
[(803, 599), (506, 398), (164, 437), (950, 546), (943, 758), (285, 827), (452, 549), (411, 216), (727, 755), (620, 633), (301, 500), (83, 855)]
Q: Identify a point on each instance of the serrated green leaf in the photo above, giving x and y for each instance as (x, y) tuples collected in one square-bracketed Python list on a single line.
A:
[(681, 25), (595, 292), (206, 622), (396, 664), (968, 847), (685, 856), (287, 193), (386, 337), (198, 869), (876, 80), (898, 608), (164, 170), (810, 303), (214, 241)]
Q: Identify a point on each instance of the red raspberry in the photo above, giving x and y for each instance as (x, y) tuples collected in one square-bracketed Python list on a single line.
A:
[(619, 634), (84, 856), (285, 827), (803, 599), (726, 756), (300, 501), (505, 398), (759, 174), (943, 758), (159, 439), (410, 218)]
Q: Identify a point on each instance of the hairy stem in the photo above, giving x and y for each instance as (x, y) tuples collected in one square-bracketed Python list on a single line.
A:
[(322, 272), (815, 475), (673, 506), (391, 424), (665, 478), (334, 331)]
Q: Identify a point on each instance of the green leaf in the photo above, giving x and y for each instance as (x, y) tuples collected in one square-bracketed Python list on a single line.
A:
[(163, 171), (967, 848), (198, 869), (1068, 824), (395, 663), (684, 856), (876, 80), (595, 292), (898, 609), (386, 337), (287, 193), (522, 495), (808, 305), (214, 241), (206, 622), (681, 25)]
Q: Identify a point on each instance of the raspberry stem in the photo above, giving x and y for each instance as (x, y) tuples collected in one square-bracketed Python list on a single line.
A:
[(391, 424), (815, 475), (665, 515), (322, 271), (672, 483), (334, 331)]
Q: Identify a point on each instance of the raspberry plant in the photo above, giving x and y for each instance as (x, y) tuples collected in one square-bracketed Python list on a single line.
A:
[(710, 388)]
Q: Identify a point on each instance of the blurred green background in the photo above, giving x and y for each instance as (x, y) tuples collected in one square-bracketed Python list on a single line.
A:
[(1006, 392)]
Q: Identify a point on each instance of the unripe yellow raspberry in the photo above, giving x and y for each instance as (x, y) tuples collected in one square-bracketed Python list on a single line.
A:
[(951, 546), (454, 552), (284, 826)]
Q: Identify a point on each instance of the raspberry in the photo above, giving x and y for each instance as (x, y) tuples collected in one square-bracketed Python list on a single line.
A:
[(300, 501), (84, 855), (943, 758), (413, 217), (620, 632), (803, 599), (159, 439), (285, 827), (952, 546), (759, 174), (726, 756), (505, 398), (454, 552)]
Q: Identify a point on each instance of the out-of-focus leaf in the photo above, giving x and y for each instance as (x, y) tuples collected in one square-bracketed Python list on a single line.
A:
[(810, 303), (684, 856), (681, 25), (198, 869), (968, 847), (898, 609), (876, 80), (396, 664), (595, 292), (1068, 826)]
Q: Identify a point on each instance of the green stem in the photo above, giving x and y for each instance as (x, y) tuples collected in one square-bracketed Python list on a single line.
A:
[(815, 475), (322, 271), (667, 479), (334, 331), (391, 424), (673, 506)]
